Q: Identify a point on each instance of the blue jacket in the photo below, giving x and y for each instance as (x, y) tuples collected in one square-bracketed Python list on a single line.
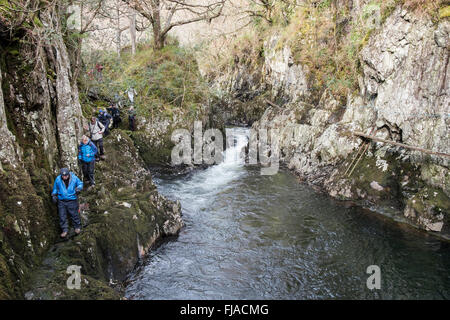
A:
[(69, 193), (87, 152)]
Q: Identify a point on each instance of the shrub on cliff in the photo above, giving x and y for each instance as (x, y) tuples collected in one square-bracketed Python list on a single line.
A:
[(165, 80)]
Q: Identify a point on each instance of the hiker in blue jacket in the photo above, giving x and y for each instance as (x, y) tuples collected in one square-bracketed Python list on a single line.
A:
[(86, 156), (65, 192)]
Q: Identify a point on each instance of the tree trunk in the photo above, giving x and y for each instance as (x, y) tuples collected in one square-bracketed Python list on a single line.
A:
[(132, 18), (158, 41), (158, 37), (118, 32)]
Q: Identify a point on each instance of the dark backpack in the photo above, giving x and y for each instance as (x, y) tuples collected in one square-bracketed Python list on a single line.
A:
[(115, 113), (105, 119)]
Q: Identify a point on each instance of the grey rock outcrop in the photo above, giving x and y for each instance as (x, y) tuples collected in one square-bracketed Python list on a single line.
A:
[(286, 78), (406, 72), (404, 97), (68, 111), (8, 149)]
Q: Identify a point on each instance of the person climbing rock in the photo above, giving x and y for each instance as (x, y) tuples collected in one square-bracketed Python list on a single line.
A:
[(96, 130), (105, 119), (118, 99), (65, 192), (86, 156), (115, 113), (132, 118)]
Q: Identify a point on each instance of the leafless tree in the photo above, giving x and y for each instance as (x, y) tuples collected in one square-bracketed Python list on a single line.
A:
[(164, 15), (88, 11), (261, 9), (132, 19), (117, 16)]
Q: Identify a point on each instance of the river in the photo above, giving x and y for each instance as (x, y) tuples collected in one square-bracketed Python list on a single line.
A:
[(253, 236)]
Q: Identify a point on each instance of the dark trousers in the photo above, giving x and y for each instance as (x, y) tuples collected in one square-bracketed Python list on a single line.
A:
[(99, 144), (116, 122), (88, 171), (106, 133), (68, 207), (131, 122)]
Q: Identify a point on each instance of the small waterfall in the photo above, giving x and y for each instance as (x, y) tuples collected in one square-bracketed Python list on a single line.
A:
[(234, 154), (231, 168)]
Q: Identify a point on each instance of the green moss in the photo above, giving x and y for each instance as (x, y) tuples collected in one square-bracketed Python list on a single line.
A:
[(432, 204), (120, 213), (27, 227), (153, 154), (388, 8), (390, 178), (52, 276), (6, 278)]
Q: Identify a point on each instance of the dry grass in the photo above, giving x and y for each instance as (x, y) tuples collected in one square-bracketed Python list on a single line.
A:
[(166, 80), (325, 39), (225, 53), (318, 41), (423, 6)]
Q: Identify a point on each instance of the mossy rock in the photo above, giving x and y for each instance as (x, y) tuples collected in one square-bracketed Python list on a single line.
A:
[(124, 214), (27, 227), (430, 208), (384, 179), (152, 153)]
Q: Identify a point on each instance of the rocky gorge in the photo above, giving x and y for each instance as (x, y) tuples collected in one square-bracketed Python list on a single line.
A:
[(41, 123), (403, 96), (400, 92)]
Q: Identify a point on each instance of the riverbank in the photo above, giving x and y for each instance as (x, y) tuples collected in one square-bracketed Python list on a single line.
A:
[(316, 105), (45, 104)]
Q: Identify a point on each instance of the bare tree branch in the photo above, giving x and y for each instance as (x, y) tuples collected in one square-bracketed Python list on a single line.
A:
[(153, 11)]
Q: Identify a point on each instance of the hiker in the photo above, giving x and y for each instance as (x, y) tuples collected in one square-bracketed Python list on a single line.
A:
[(99, 69), (90, 74), (96, 129), (130, 92), (65, 192), (118, 100), (115, 113), (131, 118), (87, 152), (105, 119)]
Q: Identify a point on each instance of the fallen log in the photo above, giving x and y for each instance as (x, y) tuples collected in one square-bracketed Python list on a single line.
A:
[(272, 104), (361, 134)]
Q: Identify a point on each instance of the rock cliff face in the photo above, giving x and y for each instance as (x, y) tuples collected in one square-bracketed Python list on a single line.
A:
[(404, 97), (153, 135), (31, 101), (406, 72), (40, 126), (243, 82)]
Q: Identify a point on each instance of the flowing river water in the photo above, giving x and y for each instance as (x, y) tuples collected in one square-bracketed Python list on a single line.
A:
[(253, 236)]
